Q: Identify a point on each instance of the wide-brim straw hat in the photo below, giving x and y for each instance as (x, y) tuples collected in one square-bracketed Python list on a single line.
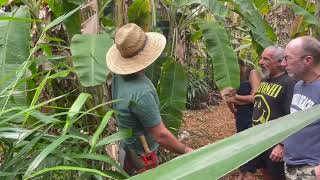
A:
[(134, 50)]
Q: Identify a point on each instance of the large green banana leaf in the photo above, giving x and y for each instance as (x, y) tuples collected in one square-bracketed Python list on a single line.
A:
[(153, 72), (172, 93), (8, 74), (15, 37), (89, 54), (261, 31), (216, 160), (215, 6), (225, 63)]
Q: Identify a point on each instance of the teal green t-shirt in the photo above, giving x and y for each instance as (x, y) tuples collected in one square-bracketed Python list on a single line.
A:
[(137, 109)]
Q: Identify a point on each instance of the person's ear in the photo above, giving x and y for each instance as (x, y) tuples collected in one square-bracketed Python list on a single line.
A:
[(308, 60)]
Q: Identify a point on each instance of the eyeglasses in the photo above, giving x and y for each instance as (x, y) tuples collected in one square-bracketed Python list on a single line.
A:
[(286, 58)]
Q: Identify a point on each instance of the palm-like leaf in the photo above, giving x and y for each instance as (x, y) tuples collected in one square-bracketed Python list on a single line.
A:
[(88, 53), (261, 31), (15, 38), (154, 71), (225, 63), (172, 93), (215, 160)]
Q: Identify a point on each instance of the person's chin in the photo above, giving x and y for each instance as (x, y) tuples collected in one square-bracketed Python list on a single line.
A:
[(292, 75)]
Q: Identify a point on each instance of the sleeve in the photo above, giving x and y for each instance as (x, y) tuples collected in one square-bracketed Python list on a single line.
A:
[(288, 96), (146, 110)]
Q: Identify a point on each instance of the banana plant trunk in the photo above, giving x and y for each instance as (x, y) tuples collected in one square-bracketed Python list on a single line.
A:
[(120, 12)]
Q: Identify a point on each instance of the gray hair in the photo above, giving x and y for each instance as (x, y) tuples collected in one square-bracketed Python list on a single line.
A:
[(278, 52)]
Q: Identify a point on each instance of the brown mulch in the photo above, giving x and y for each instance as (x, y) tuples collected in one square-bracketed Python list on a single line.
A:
[(205, 126), (208, 125)]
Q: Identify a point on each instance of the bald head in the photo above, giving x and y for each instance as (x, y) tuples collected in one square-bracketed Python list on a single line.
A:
[(307, 46)]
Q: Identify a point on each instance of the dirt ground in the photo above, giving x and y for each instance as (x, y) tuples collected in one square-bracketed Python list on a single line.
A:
[(205, 126)]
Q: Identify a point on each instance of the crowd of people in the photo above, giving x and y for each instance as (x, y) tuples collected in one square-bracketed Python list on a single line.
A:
[(289, 81)]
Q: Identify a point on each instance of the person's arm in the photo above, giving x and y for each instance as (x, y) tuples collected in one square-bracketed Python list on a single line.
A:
[(147, 112), (166, 139), (254, 80), (231, 107)]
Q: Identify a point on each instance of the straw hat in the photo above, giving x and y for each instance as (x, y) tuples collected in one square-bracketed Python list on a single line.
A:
[(134, 49)]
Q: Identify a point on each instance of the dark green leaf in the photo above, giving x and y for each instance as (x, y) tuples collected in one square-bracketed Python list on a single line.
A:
[(225, 62), (90, 63), (172, 94)]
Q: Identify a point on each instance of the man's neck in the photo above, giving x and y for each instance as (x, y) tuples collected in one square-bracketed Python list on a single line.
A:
[(311, 77), (276, 74)]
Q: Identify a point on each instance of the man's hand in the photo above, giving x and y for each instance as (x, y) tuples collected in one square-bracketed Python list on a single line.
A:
[(187, 149), (317, 170), (277, 153)]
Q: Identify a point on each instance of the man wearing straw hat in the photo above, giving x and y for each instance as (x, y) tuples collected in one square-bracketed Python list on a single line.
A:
[(138, 108)]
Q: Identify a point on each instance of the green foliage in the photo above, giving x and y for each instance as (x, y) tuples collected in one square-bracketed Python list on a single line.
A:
[(12, 32), (153, 72), (309, 18), (261, 31), (172, 94), (3, 2), (216, 160), (225, 63), (215, 6), (88, 52), (262, 5), (139, 13)]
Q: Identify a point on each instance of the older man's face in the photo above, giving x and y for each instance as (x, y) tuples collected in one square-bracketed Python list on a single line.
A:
[(267, 63), (293, 61)]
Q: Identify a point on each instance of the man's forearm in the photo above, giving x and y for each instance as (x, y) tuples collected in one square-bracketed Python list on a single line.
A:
[(171, 143)]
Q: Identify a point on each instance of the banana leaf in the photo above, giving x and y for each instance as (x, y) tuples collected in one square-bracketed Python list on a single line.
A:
[(261, 31), (153, 72), (216, 160), (172, 92), (225, 63), (8, 74), (15, 37), (89, 52)]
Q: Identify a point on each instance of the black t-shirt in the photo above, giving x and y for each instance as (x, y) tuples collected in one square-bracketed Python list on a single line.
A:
[(272, 99)]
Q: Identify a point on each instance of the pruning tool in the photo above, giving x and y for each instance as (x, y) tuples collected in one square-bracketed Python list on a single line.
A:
[(148, 157)]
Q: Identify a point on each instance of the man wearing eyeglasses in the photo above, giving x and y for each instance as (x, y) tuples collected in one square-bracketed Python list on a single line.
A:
[(302, 149), (271, 101)]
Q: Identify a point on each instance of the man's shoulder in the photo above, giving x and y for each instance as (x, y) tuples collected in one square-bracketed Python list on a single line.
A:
[(286, 80)]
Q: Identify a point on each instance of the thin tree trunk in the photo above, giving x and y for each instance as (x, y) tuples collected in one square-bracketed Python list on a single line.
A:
[(120, 13)]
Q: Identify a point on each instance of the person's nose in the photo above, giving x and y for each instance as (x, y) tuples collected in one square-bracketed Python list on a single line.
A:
[(261, 62), (283, 63)]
